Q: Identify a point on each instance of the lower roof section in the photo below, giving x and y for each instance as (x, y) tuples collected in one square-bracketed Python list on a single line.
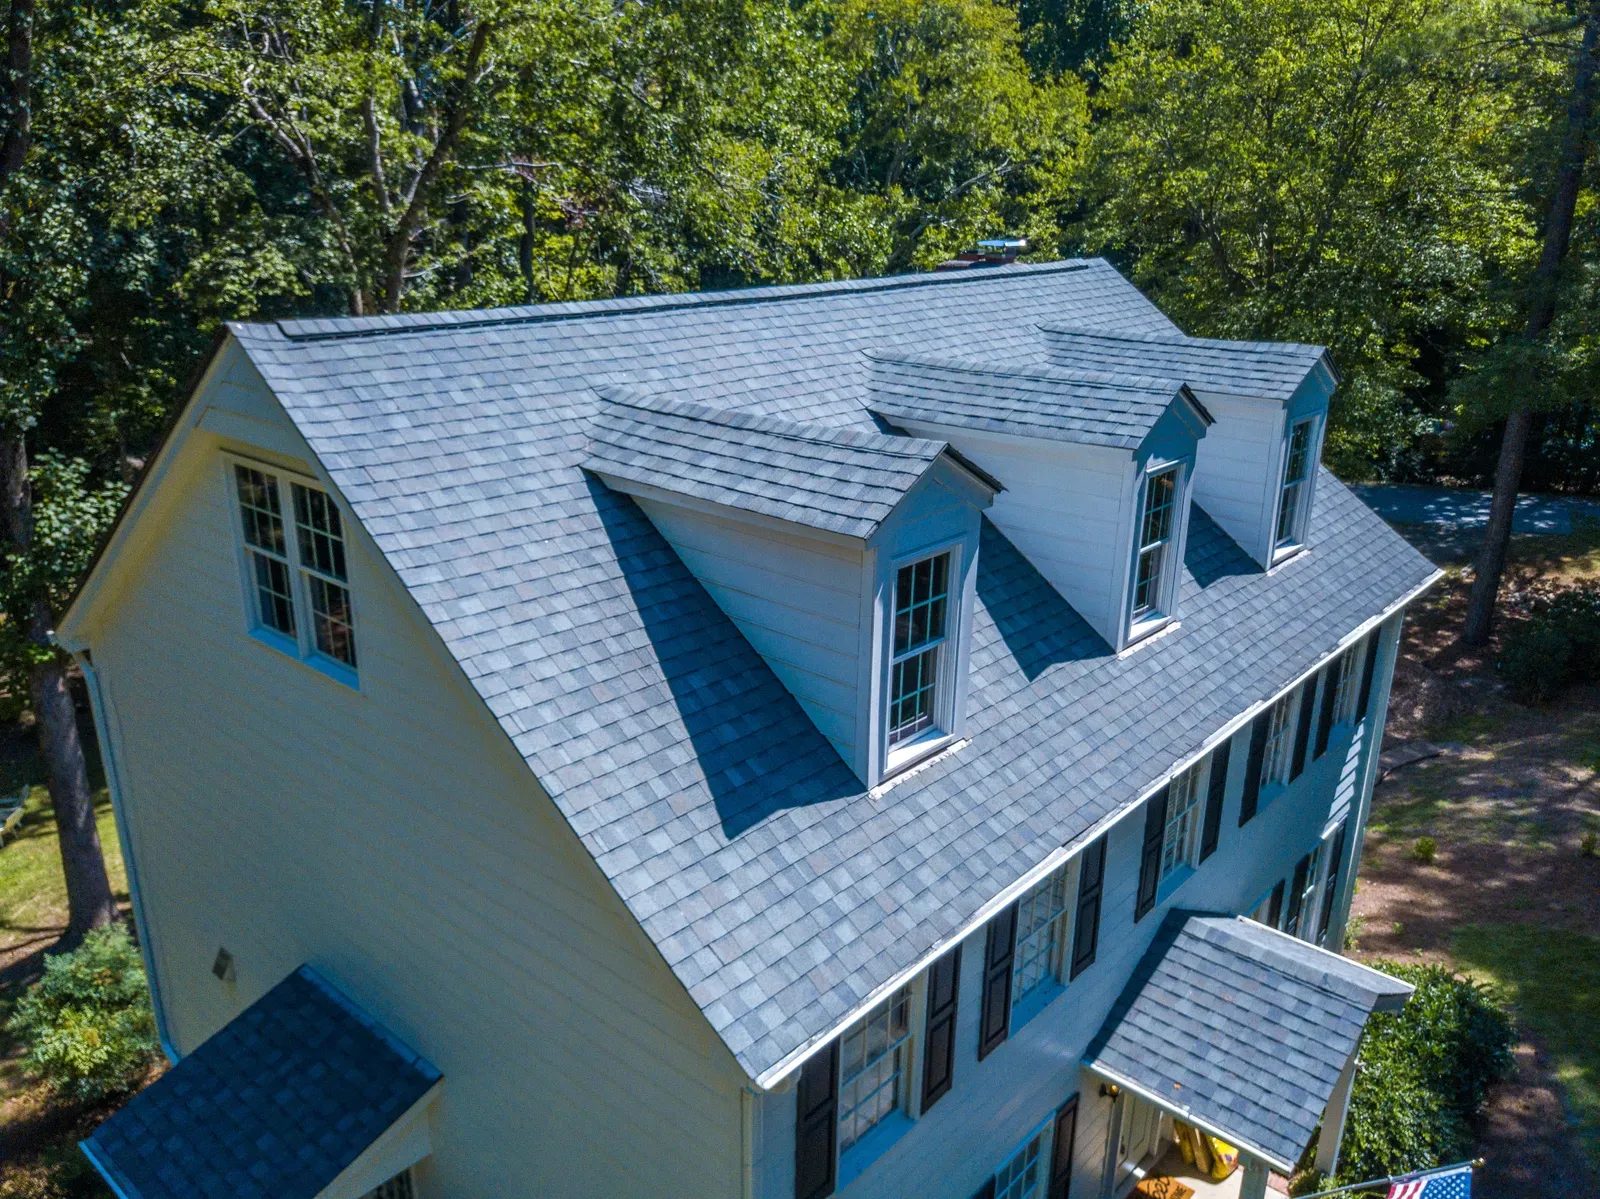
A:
[(1240, 1029), (276, 1105)]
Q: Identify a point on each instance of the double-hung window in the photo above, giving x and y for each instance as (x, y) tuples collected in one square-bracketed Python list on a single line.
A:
[(874, 1068), (921, 620), (1157, 528), (297, 585), (1344, 687), (1041, 939), (1182, 833), (1296, 485), (1280, 742), (1024, 1174)]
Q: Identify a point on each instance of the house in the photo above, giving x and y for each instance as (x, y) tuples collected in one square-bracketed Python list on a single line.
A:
[(896, 737)]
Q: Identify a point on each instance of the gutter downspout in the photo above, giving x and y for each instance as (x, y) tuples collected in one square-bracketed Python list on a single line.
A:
[(108, 758)]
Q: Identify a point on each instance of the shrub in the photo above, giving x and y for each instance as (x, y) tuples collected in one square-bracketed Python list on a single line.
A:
[(1576, 612), (1424, 850), (1536, 660), (1424, 1074), (1589, 847), (87, 1023)]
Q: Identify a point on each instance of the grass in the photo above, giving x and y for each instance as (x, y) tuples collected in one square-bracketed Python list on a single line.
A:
[(1552, 979), (33, 891)]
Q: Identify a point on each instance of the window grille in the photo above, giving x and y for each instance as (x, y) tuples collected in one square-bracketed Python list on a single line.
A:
[(1296, 476), (1041, 924), (261, 514), (873, 1061), (1023, 1177), (1183, 821), (921, 613), (321, 544), (1155, 540)]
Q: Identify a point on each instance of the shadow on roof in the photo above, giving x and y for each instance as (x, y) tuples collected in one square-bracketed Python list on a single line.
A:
[(1039, 627), (755, 747), (1211, 555)]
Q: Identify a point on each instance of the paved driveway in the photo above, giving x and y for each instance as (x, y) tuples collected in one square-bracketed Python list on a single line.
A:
[(1459, 509)]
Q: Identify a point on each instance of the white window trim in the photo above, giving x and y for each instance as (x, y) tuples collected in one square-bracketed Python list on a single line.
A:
[(1164, 610), (1294, 542), (1024, 1006), (900, 758), (302, 646), (850, 1163), (1279, 750), (1045, 1133), (1190, 781)]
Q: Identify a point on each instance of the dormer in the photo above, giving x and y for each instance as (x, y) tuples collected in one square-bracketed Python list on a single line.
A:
[(1257, 469), (1098, 472), (847, 558)]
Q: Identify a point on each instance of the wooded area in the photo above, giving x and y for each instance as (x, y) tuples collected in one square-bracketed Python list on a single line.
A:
[(1398, 179)]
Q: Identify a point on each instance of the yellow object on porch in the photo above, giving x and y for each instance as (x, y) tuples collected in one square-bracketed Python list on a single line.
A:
[(1224, 1158), (1163, 1188)]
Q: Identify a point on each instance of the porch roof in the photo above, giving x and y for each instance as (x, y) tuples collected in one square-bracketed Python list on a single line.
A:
[(1240, 1030), (276, 1105)]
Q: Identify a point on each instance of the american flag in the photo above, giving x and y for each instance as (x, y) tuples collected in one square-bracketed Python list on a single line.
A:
[(1447, 1184)]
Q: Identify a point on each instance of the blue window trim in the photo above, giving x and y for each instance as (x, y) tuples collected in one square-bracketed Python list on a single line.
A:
[(1035, 1001), (856, 1160), (1169, 885)]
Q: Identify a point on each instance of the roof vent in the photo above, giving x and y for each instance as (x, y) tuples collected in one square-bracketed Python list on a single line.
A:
[(991, 251)]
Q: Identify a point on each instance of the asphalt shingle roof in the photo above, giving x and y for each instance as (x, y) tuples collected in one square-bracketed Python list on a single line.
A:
[(780, 894), (275, 1105), (1034, 400), (840, 480), (1273, 369), (1244, 1028)]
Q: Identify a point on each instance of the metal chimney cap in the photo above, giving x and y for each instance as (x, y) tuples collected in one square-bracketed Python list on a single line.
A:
[(1003, 243)]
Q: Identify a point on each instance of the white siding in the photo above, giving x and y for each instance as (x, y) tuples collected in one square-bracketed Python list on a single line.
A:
[(1235, 478), (392, 837)]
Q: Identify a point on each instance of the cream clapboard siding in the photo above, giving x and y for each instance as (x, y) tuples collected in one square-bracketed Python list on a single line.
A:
[(393, 838), (997, 1103)]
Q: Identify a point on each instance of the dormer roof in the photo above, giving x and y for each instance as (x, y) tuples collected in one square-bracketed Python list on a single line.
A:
[(832, 479), (1270, 369), (1032, 400)]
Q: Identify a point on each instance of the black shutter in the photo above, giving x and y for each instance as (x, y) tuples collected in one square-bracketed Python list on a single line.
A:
[(1215, 793), (1086, 925), (1371, 665), (986, 1191), (1331, 887), (939, 1056), (1330, 673), (1155, 826), (1275, 905), (1061, 1149), (1252, 768), (817, 1126), (1297, 894), (995, 1025), (1302, 731)]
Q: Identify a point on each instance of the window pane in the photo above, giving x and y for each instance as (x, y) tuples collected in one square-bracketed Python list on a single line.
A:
[(321, 535), (259, 510), (1276, 759), (330, 611), (1023, 1176), (1041, 918), (872, 1058), (1183, 812), (274, 601), (1155, 533), (912, 688), (920, 594), (1296, 470)]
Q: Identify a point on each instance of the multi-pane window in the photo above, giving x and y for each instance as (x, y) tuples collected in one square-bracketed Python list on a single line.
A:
[(1155, 544), (1280, 742), (288, 576), (874, 1056), (1023, 1177), (1344, 688), (321, 544), (1296, 479), (1041, 936), (265, 548), (921, 614), (1300, 909), (1183, 821)]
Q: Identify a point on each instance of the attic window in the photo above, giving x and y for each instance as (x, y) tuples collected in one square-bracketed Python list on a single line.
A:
[(921, 615), (1156, 531), (1296, 481)]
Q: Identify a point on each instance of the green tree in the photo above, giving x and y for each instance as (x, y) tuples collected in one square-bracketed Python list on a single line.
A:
[(1334, 172)]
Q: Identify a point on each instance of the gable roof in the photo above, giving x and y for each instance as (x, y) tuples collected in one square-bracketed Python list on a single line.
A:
[(1284, 1016), (231, 1118), (1034, 400), (834, 479), (1270, 369), (780, 895)]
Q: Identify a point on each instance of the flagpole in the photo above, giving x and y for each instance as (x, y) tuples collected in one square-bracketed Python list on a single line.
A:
[(1393, 1178)]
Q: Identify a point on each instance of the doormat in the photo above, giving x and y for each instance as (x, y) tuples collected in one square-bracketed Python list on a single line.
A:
[(1163, 1188)]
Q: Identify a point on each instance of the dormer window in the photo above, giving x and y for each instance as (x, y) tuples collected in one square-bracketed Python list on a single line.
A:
[(1156, 532), (921, 613), (1292, 504)]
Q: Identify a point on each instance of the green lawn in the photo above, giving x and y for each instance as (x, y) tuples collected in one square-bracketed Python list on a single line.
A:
[(1552, 978), (33, 892)]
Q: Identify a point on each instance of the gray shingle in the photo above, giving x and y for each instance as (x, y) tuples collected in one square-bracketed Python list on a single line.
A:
[(585, 634), (1244, 1028), (1032, 400), (826, 477), (1273, 369), (232, 1117)]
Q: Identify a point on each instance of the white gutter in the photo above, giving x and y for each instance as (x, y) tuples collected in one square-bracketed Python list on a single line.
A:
[(108, 758), (771, 1077)]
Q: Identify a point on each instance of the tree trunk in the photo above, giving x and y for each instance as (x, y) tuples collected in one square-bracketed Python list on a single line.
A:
[(1541, 312), (89, 901)]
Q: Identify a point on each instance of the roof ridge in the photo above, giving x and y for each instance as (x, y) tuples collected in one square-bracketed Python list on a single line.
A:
[(1182, 339), (1044, 372), (776, 426), (336, 328), (1307, 963)]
